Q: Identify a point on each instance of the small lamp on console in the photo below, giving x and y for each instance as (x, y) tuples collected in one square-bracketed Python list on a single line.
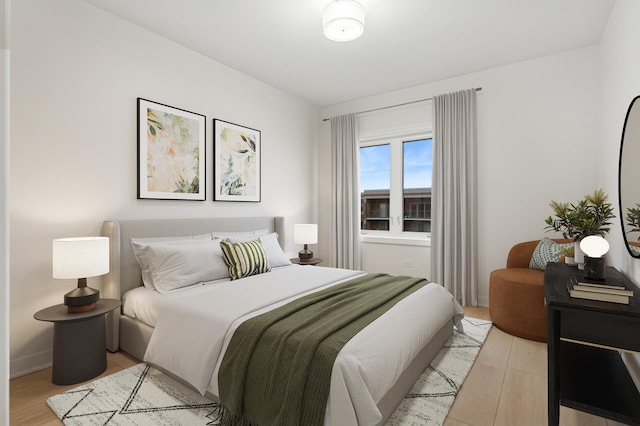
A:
[(305, 233), (80, 258), (594, 248)]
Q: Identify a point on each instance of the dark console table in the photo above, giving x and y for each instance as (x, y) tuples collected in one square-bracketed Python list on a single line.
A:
[(584, 338)]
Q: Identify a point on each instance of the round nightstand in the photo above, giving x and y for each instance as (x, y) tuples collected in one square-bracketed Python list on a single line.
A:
[(79, 341), (312, 261)]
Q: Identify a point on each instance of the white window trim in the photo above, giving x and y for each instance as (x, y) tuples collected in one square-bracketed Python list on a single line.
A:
[(379, 137), (407, 131), (423, 241)]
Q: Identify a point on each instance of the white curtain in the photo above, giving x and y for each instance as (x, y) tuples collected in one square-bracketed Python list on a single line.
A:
[(454, 241), (345, 192)]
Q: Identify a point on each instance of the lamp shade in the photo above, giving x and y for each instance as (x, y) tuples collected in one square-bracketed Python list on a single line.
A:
[(80, 257), (305, 233), (343, 20), (594, 246)]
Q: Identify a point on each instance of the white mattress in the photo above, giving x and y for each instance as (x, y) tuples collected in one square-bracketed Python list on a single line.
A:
[(194, 326), (145, 304)]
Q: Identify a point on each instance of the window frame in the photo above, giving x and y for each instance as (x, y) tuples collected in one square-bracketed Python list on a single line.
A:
[(395, 138)]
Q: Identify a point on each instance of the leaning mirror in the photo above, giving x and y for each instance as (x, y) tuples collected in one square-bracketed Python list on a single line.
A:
[(629, 179)]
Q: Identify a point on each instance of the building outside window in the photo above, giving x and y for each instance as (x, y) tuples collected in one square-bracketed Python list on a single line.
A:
[(374, 210), (395, 179), (417, 210)]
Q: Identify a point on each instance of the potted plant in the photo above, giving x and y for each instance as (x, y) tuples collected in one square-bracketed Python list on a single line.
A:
[(591, 216), (568, 252), (633, 219)]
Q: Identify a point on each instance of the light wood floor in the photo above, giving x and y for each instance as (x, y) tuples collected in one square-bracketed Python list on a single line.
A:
[(28, 394), (507, 385)]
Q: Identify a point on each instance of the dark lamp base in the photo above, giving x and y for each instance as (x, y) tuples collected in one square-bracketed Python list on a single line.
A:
[(305, 254), (81, 299), (594, 268), (83, 308)]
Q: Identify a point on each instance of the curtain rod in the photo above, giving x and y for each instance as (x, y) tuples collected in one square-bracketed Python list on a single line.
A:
[(477, 89)]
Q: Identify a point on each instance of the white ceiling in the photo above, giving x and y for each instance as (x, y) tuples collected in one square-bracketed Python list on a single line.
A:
[(405, 43)]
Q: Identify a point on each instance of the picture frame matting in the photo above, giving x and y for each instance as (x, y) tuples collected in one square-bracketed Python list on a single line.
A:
[(237, 162), (171, 153)]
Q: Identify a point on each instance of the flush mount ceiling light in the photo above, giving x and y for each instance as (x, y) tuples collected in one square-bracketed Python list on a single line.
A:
[(343, 20)]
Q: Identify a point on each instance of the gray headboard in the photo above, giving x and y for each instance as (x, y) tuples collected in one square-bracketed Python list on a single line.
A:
[(124, 272)]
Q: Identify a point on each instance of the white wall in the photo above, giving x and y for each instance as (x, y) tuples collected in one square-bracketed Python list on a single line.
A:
[(4, 216), (397, 259), (76, 73), (537, 134), (620, 84)]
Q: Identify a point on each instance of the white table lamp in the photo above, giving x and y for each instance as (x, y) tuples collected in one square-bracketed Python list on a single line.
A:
[(80, 258), (594, 247), (305, 233)]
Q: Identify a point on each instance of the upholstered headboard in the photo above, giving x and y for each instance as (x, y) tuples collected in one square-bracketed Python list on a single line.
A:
[(124, 272)]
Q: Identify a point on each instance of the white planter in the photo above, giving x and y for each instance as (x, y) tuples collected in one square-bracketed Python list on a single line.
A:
[(578, 255), (569, 260)]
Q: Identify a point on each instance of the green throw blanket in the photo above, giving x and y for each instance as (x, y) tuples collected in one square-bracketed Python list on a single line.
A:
[(277, 367)]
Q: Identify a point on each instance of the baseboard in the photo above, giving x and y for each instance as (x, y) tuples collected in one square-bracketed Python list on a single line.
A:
[(483, 301), (28, 364)]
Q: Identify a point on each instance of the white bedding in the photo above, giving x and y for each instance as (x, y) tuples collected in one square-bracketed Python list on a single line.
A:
[(193, 327)]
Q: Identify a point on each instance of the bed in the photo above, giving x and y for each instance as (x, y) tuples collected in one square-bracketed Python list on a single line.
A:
[(360, 392)]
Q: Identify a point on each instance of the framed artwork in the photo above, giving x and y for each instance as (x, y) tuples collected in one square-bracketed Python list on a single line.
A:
[(171, 153), (236, 166)]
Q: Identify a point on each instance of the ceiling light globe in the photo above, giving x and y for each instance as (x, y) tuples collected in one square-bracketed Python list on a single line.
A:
[(343, 20)]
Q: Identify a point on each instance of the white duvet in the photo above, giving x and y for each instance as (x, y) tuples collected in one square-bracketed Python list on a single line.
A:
[(193, 328)]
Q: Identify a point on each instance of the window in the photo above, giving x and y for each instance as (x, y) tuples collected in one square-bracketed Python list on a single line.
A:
[(395, 181), (416, 188), (375, 181)]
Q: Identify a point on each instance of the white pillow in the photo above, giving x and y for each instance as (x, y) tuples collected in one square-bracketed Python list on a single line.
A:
[(239, 234), (175, 265), (146, 249), (271, 246), (206, 236), (139, 244)]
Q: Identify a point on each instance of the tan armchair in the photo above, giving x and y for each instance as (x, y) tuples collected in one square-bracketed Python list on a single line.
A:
[(516, 295)]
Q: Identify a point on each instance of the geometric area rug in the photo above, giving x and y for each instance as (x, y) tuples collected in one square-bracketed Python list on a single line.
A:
[(432, 396), (142, 395), (139, 395)]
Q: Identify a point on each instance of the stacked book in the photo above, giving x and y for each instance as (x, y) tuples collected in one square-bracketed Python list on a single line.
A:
[(603, 292)]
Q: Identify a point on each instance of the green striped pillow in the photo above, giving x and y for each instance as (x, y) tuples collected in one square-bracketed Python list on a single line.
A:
[(245, 259)]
